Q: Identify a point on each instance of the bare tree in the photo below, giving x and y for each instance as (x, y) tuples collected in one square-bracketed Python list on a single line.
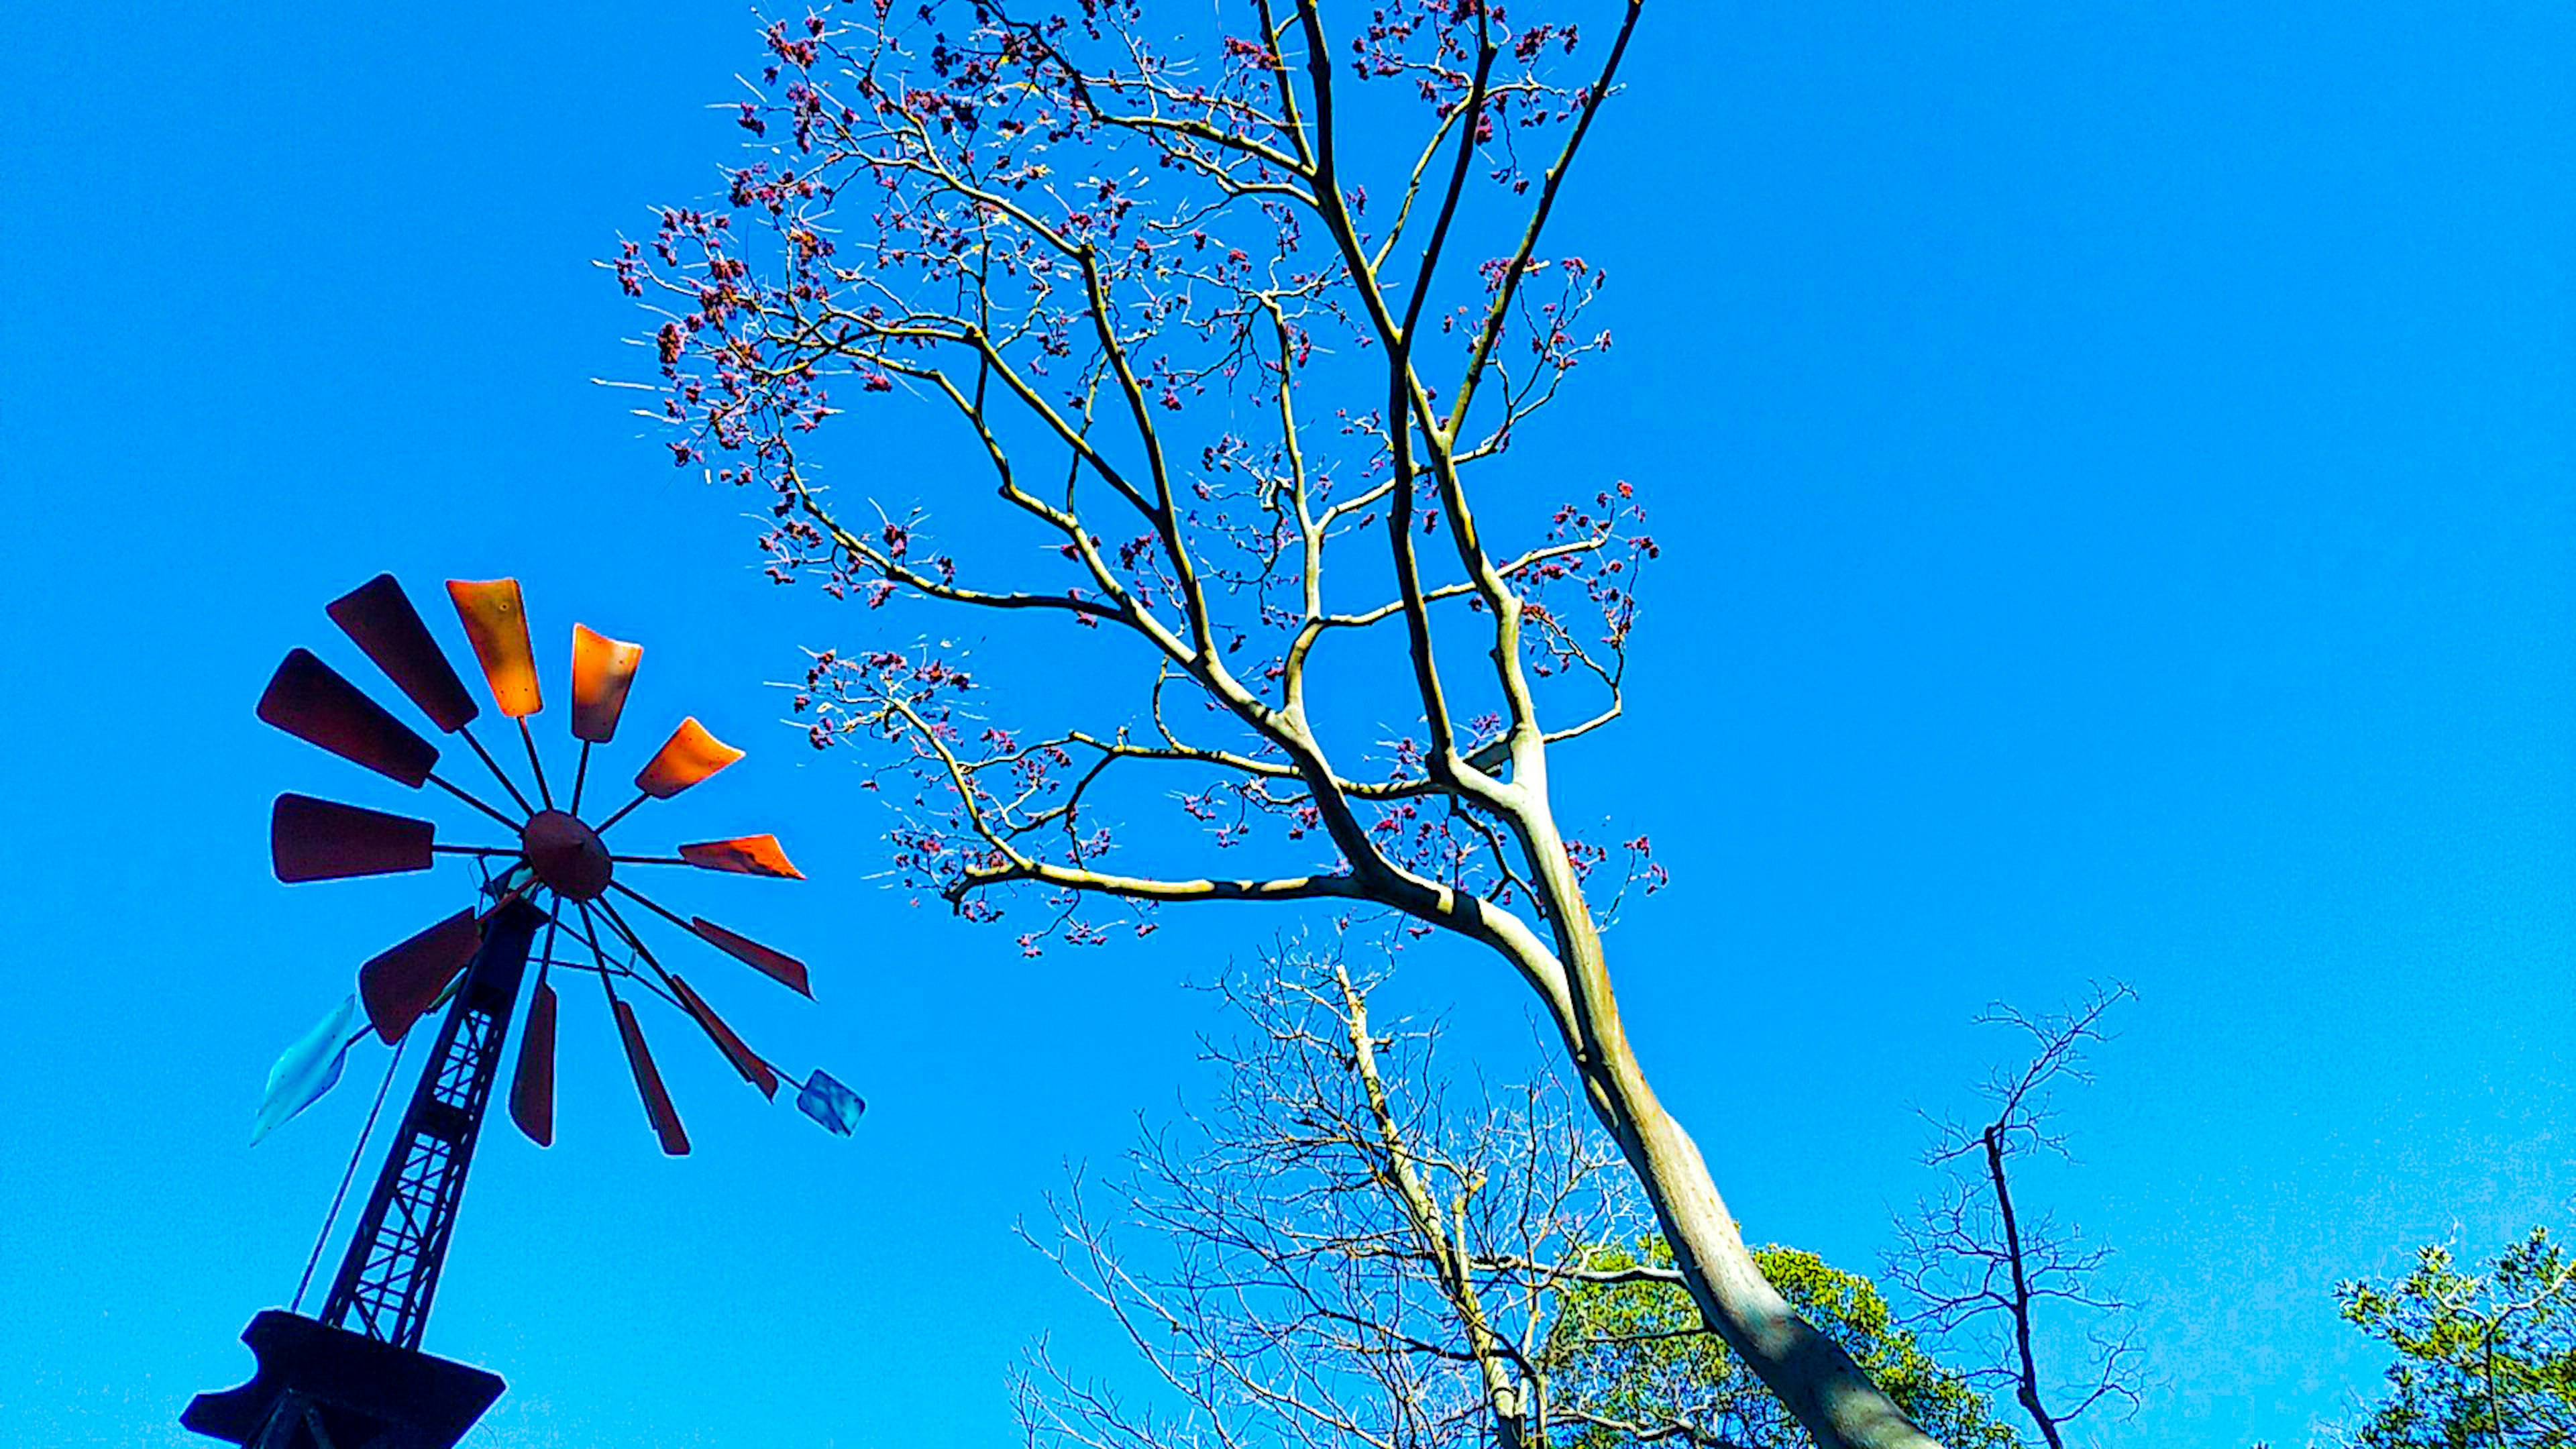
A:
[(1349, 1260), (1981, 1264), (1204, 295), (1346, 1249)]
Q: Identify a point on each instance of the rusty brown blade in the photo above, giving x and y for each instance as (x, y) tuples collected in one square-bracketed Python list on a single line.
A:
[(378, 616), (777, 965), (603, 669), (311, 701), (744, 1059), (401, 983), (743, 855), (311, 839), (532, 1089), (688, 756), (648, 1085), (753, 1069), (497, 622)]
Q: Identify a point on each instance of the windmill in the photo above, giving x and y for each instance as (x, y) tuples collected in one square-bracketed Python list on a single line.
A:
[(556, 895)]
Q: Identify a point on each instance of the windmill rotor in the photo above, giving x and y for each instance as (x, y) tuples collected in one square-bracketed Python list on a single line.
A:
[(553, 856)]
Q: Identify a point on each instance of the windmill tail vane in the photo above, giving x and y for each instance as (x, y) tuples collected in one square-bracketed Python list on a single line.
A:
[(555, 896)]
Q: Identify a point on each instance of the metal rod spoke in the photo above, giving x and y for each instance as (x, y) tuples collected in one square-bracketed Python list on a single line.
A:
[(672, 996), (580, 776), (535, 764), (637, 942), (602, 827), (649, 860), (648, 903), (450, 787), (472, 850), (639, 978), (546, 957), (495, 767), (627, 931), (589, 934), (591, 931)]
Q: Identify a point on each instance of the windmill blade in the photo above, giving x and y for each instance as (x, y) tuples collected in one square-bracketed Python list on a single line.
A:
[(602, 671), (377, 615), (311, 839), (311, 701), (532, 1089), (688, 756), (400, 984), (743, 855), (777, 965), (497, 622), (745, 1061), (648, 1085)]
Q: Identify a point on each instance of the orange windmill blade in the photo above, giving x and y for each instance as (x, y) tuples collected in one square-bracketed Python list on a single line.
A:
[(687, 757), (742, 855), (603, 669), (496, 623)]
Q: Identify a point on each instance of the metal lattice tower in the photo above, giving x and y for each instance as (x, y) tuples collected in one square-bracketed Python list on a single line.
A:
[(391, 1269)]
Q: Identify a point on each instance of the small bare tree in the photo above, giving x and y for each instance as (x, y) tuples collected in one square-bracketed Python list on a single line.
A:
[(1345, 1249), (1203, 295), (1980, 1264)]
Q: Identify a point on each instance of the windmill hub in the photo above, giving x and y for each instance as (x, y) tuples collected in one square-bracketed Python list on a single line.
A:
[(566, 854)]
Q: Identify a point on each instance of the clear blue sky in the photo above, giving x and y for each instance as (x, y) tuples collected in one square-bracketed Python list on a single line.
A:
[(2114, 466)]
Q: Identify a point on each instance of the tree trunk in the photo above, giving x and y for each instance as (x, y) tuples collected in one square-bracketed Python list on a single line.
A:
[(1814, 1379)]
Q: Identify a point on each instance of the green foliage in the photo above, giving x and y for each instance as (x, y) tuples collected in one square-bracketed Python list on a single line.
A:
[(2481, 1361), (1631, 1358)]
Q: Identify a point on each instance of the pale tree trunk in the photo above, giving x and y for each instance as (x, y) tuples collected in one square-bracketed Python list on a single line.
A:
[(1812, 1376)]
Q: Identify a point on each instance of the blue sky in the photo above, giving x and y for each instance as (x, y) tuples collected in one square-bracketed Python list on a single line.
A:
[(2114, 472)]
